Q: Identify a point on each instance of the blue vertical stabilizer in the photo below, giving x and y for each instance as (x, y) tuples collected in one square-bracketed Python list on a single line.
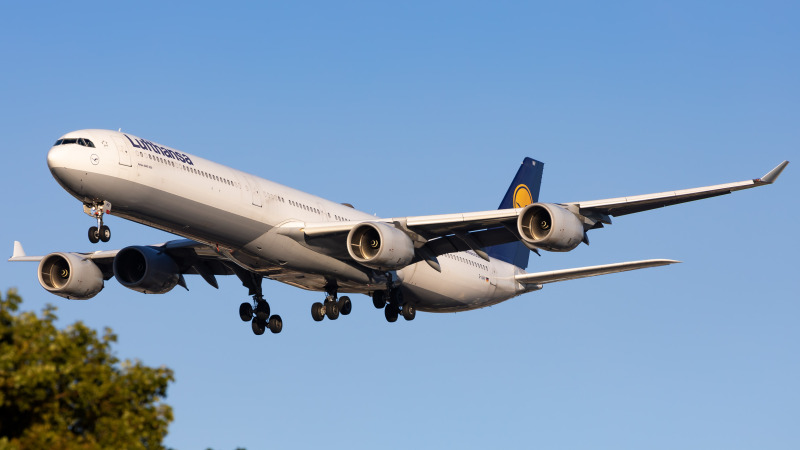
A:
[(523, 191)]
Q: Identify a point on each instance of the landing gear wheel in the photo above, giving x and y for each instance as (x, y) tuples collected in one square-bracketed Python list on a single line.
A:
[(379, 299), (318, 311), (262, 311), (332, 310), (246, 312), (258, 327), (275, 324), (94, 235), (409, 312), (345, 305), (105, 233), (391, 313)]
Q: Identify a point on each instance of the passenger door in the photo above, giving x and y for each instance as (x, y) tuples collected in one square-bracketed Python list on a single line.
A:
[(124, 152)]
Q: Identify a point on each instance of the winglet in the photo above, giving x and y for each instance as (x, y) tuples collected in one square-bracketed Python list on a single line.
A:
[(773, 174), (18, 251)]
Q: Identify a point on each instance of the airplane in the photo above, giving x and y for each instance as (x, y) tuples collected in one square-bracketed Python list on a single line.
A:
[(235, 223)]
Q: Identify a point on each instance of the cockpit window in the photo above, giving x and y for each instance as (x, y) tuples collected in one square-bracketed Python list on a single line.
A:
[(85, 142), (79, 141)]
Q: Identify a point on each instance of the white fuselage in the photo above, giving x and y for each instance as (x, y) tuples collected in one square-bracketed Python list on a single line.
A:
[(239, 213)]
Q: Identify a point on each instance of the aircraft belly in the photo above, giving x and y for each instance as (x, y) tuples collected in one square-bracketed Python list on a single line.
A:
[(170, 212), (454, 289), (294, 257)]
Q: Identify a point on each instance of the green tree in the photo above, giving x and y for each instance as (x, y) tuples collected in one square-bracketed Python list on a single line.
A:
[(64, 389)]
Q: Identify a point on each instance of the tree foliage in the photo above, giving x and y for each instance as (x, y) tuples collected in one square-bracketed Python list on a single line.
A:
[(65, 389)]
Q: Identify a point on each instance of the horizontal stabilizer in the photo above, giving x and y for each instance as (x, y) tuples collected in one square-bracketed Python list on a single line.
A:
[(19, 254), (591, 271)]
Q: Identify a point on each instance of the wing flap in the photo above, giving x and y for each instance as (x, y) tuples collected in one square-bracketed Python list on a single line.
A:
[(590, 271)]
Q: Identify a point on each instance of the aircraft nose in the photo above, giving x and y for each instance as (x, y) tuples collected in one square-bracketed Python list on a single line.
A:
[(62, 164), (56, 158)]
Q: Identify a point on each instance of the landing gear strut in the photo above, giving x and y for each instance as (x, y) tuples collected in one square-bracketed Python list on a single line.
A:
[(100, 232), (257, 312), (332, 306)]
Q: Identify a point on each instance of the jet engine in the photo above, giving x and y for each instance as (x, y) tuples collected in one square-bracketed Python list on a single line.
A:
[(146, 270), (70, 275), (549, 227), (380, 246)]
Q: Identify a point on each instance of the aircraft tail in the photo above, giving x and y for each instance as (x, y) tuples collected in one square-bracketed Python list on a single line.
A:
[(523, 191)]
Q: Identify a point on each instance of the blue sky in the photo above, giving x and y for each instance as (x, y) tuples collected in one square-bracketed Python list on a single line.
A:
[(424, 108)]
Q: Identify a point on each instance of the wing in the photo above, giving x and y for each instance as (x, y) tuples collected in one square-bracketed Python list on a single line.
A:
[(440, 234), (629, 205), (192, 258)]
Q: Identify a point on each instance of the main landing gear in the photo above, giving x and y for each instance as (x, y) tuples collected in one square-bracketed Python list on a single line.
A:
[(100, 232), (391, 300), (257, 312), (259, 316), (332, 306)]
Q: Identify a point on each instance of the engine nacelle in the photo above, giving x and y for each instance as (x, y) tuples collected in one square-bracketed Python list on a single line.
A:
[(146, 270), (70, 275), (549, 227), (380, 246)]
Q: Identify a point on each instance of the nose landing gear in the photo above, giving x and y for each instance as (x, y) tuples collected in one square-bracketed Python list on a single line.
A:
[(103, 233), (100, 232)]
